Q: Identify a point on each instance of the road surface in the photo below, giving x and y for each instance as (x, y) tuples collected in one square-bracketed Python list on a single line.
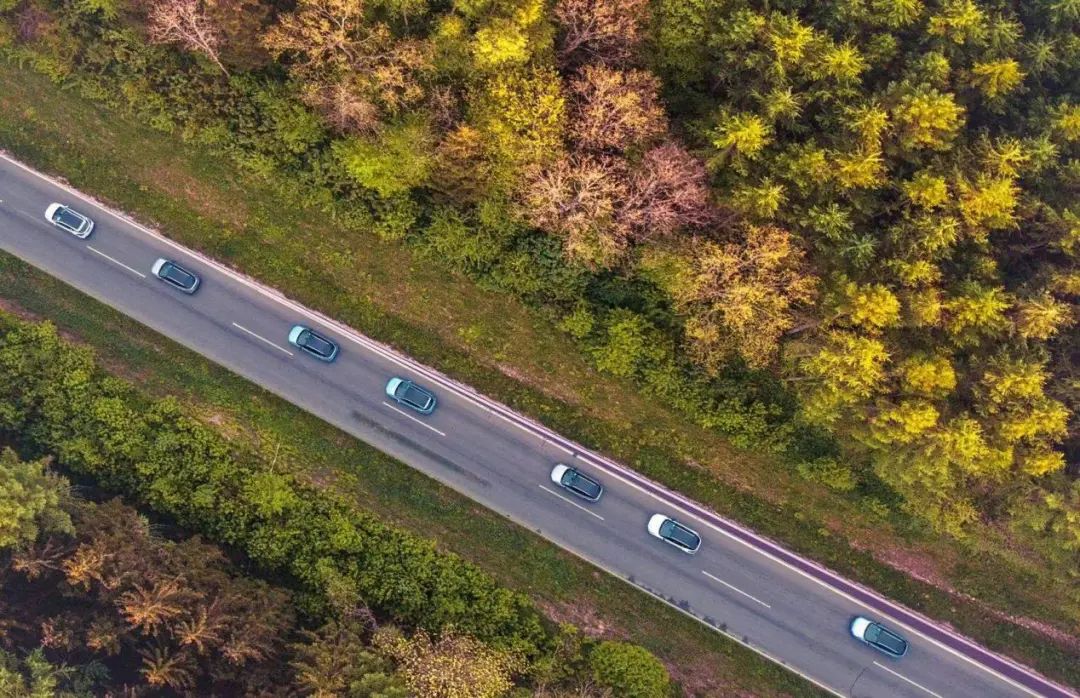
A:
[(785, 607)]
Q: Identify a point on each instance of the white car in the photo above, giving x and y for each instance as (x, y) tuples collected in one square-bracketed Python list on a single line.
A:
[(671, 531), (70, 220), (879, 637), (573, 480)]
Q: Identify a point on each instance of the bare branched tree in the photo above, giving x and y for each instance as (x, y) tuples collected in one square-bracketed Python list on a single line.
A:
[(187, 23), (603, 31)]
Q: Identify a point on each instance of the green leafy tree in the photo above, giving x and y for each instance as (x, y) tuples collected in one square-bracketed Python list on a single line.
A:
[(629, 670), (628, 343), (394, 161), (31, 501)]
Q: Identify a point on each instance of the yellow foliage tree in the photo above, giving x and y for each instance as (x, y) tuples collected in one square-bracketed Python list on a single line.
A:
[(928, 119), (872, 307), (926, 190), (903, 423), (521, 115), (453, 666), (1042, 317), (740, 297), (997, 78), (930, 376), (845, 371), (989, 204)]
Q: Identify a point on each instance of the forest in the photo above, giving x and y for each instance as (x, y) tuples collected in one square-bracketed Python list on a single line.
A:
[(95, 597), (844, 232)]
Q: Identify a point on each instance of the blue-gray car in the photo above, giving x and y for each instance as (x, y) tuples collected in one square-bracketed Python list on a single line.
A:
[(573, 480), (411, 395), (310, 341)]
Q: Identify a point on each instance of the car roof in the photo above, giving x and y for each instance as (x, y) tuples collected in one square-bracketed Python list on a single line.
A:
[(890, 640), (320, 342), (682, 534), (174, 267), (414, 390)]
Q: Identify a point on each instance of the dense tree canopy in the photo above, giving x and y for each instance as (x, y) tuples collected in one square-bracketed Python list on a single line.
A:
[(867, 205)]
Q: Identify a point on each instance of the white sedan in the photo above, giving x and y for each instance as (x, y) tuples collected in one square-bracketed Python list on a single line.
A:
[(68, 219)]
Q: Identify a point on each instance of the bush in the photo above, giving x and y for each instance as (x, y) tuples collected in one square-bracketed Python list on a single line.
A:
[(829, 473), (629, 671)]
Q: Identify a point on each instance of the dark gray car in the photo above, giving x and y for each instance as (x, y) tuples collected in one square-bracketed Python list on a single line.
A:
[(175, 275)]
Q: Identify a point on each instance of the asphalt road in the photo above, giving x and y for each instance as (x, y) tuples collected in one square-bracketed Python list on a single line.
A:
[(785, 607)]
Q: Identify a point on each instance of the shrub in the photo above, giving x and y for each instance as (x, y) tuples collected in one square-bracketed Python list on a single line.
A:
[(629, 671)]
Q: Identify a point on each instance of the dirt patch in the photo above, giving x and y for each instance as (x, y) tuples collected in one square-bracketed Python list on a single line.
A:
[(698, 678), (18, 311), (584, 617), (915, 565)]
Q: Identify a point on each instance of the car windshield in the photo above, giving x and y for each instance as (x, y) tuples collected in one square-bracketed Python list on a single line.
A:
[(416, 396), (318, 345), (178, 275), (68, 218)]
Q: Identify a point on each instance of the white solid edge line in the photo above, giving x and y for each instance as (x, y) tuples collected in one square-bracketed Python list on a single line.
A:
[(735, 588), (261, 338), (595, 460), (421, 422), (901, 676), (115, 261), (571, 502)]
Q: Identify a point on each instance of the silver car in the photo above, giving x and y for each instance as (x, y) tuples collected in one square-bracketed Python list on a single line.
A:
[(66, 218)]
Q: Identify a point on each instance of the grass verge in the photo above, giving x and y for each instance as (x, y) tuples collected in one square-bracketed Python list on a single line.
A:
[(511, 353)]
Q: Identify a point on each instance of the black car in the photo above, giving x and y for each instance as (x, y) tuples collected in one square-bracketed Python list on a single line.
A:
[(175, 275), (575, 481)]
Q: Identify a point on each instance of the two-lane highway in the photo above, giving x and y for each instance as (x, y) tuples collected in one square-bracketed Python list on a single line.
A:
[(743, 585)]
